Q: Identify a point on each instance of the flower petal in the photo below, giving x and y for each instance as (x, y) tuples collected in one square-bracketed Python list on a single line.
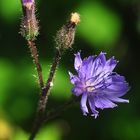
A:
[(73, 78), (92, 107), (110, 65), (102, 102), (119, 100), (98, 64), (78, 61), (77, 91), (84, 104), (85, 69), (116, 86), (102, 57)]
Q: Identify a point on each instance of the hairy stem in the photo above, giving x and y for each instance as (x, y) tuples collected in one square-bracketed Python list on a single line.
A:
[(45, 92), (44, 96), (34, 54), (54, 66)]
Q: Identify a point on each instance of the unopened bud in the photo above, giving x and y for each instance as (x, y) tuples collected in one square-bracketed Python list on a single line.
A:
[(28, 3), (29, 25), (65, 36)]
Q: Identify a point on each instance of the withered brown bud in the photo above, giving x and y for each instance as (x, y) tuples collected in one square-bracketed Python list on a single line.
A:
[(65, 36)]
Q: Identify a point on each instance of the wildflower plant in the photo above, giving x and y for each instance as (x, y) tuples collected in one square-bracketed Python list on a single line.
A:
[(95, 84)]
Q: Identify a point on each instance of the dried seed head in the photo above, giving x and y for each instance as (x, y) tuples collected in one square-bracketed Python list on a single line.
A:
[(65, 36), (75, 18)]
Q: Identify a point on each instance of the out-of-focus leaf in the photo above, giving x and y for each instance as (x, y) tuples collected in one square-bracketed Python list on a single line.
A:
[(126, 129), (50, 132), (99, 25), (28, 74), (10, 9), (62, 86), (5, 130), (6, 78), (20, 109), (19, 134)]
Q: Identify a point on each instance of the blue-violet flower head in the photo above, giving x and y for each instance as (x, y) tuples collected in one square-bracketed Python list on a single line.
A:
[(97, 84), (26, 2)]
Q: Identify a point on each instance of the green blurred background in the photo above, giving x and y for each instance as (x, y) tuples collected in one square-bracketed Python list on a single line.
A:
[(110, 26)]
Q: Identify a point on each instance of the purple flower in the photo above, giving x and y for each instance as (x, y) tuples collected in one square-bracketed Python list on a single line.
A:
[(97, 85), (25, 2)]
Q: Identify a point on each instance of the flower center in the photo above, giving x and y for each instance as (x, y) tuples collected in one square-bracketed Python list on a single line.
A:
[(89, 87)]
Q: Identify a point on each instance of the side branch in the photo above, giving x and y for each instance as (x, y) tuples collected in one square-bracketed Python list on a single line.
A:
[(46, 90), (54, 66), (41, 119), (55, 113), (44, 97)]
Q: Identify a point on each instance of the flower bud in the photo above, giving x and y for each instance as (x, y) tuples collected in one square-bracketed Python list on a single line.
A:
[(28, 3), (65, 36), (29, 25)]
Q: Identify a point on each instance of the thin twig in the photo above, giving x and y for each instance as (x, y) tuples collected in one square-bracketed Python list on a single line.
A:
[(51, 115), (34, 54), (44, 97), (55, 113), (45, 92)]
